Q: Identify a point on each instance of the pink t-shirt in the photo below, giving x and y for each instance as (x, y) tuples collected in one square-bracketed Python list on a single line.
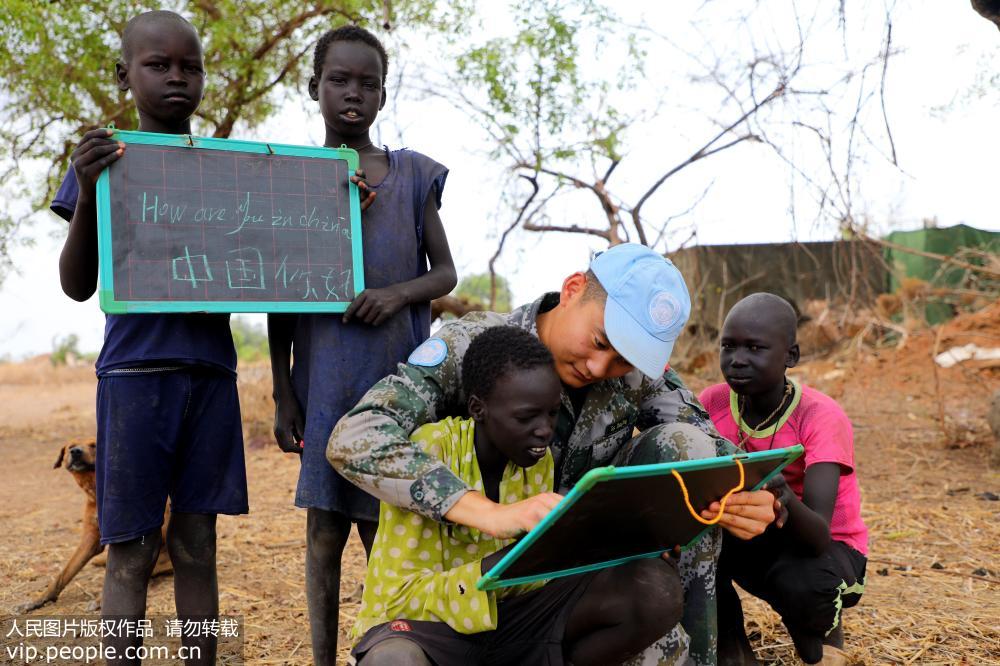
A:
[(815, 421)]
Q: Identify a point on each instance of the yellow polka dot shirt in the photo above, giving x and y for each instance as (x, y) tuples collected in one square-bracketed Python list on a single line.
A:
[(424, 570)]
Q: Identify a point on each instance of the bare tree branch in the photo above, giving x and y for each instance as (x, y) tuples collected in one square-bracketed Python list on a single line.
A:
[(39, 131), (240, 86), (706, 150), (276, 81), (610, 208), (985, 270), (770, 58), (572, 229), (480, 115), (611, 169), (699, 155), (387, 15), (686, 211), (503, 237), (577, 182), (885, 67)]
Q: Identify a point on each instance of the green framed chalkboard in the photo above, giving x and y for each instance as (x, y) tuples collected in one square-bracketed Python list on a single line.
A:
[(193, 224), (617, 514)]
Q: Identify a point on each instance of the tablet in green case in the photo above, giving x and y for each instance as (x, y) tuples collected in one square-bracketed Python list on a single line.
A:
[(617, 514)]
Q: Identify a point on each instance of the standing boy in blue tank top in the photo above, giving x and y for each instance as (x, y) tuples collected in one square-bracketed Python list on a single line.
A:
[(337, 359), (168, 415)]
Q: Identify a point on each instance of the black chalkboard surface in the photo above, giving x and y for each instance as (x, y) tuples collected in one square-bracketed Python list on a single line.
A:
[(617, 514), (190, 224)]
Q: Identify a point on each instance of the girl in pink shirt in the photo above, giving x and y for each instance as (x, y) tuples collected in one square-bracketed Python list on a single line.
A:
[(814, 566)]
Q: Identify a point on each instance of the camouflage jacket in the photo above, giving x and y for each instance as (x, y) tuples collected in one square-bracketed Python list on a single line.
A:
[(370, 445)]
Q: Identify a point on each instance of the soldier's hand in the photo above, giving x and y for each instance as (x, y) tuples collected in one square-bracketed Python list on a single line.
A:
[(747, 514), (289, 425), (95, 151)]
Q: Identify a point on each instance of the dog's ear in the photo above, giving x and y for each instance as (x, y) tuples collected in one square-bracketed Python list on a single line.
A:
[(62, 454)]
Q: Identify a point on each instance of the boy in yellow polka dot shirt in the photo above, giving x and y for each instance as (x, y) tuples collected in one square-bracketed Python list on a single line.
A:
[(420, 599)]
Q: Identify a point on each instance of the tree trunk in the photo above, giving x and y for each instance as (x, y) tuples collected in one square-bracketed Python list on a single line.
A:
[(458, 307)]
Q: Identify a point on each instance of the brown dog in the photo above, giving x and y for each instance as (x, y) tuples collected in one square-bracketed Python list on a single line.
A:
[(79, 457)]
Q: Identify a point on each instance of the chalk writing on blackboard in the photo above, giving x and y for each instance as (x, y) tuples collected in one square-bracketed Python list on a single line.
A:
[(246, 270), (214, 227), (193, 269)]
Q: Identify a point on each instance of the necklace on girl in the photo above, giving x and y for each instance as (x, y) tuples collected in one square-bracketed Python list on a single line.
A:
[(744, 437)]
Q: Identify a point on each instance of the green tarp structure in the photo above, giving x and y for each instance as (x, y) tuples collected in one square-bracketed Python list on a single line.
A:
[(947, 241)]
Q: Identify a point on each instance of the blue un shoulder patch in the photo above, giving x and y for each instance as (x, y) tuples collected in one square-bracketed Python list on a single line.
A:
[(431, 353)]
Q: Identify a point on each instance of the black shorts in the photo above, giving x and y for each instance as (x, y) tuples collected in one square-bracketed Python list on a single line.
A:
[(807, 591), (530, 630), (169, 433)]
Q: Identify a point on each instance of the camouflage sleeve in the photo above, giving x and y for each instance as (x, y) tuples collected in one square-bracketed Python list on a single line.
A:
[(668, 400), (370, 446)]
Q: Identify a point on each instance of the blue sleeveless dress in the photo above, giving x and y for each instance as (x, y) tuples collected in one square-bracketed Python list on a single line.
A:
[(334, 364)]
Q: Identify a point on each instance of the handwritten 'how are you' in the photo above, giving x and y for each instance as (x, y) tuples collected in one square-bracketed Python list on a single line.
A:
[(154, 211)]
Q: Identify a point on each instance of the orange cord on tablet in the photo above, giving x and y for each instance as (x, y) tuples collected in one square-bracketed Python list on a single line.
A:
[(722, 502)]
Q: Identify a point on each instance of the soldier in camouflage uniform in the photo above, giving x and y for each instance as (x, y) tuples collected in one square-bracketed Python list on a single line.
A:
[(611, 332)]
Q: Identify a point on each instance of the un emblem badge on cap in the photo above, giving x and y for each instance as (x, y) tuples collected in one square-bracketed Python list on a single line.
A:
[(648, 304), (664, 310)]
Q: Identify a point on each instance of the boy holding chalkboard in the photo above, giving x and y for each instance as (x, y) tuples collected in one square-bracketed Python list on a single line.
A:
[(421, 605), (338, 358), (168, 415), (815, 565)]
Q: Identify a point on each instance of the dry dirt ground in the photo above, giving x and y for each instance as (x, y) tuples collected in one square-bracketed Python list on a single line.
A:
[(933, 594)]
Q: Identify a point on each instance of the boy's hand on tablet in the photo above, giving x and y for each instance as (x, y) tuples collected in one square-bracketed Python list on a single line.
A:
[(501, 521), (513, 520), (95, 151), (375, 306), (747, 514), (366, 194)]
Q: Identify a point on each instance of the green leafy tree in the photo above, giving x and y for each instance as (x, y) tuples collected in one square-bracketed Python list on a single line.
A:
[(545, 113), (542, 110), (250, 340), (483, 291), (65, 351), (476, 290), (57, 74)]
